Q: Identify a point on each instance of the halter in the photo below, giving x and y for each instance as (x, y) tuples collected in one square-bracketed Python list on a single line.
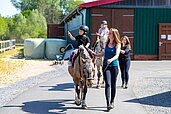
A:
[(82, 73)]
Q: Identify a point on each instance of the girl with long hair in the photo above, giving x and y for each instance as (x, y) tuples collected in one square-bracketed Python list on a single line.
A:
[(125, 60), (110, 66)]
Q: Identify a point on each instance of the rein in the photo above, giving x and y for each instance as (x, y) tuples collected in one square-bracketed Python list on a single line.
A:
[(80, 67), (83, 67)]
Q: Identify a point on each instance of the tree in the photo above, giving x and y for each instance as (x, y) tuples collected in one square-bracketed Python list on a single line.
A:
[(53, 10), (69, 5), (10, 28), (36, 25), (26, 13), (25, 4), (3, 28), (21, 27), (49, 8)]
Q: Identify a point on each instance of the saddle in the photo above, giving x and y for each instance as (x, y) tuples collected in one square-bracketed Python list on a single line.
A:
[(73, 57)]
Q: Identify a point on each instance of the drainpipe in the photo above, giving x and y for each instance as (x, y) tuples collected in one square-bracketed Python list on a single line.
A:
[(66, 29), (79, 12)]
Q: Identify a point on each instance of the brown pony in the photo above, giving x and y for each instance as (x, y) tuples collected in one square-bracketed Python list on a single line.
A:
[(82, 73)]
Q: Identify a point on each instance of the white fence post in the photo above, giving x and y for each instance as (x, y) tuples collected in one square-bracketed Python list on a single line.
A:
[(7, 45)]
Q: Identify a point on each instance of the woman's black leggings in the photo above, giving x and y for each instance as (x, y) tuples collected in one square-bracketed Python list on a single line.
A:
[(110, 76), (124, 67)]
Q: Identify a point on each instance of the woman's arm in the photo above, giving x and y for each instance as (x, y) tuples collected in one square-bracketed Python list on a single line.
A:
[(88, 44), (70, 35), (118, 49), (125, 51), (99, 54)]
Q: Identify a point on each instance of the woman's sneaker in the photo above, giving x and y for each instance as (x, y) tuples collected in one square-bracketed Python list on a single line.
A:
[(122, 86), (111, 105), (126, 86), (108, 108)]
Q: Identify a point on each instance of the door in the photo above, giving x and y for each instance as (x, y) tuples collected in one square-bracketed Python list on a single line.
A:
[(123, 20), (165, 41), (97, 15), (55, 31)]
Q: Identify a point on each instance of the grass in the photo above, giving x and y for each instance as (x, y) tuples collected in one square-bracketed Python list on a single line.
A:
[(9, 66), (18, 51)]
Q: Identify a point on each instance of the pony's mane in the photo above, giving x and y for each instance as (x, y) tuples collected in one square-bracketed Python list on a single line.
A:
[(83, 48)]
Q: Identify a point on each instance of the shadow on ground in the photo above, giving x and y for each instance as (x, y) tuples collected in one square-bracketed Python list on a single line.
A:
[(45, 106), (161, 99), (55, 106), (61, 87)]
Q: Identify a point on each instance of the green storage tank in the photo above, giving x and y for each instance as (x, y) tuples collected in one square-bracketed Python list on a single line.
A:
[(34, 48), (53, 47)]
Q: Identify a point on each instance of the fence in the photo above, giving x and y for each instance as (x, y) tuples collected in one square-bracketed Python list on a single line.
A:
[(7, 45)]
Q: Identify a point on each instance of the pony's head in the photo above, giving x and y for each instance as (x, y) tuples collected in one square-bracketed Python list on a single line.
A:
[(87, 64)]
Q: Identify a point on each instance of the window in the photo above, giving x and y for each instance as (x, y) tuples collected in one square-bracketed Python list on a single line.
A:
[(161, 2), (144, 2)]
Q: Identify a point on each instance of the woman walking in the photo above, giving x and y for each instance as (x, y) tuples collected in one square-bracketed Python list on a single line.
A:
[(124, 61), (110, 66)]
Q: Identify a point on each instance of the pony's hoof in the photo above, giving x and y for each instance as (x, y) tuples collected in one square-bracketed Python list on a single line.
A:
[(103, 82), (84, 106), (90, 86), (98, 86), (78, 103)]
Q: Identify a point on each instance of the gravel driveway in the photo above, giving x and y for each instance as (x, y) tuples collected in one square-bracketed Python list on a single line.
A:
[(153, 87), (33, 73), (152, 83)]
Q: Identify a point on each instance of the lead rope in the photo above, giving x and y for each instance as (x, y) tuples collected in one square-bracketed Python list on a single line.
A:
[(106, 68), (80, 66), (81, 81)]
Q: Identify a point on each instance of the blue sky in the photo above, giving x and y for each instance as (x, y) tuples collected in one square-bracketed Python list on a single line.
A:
[(7, 9)]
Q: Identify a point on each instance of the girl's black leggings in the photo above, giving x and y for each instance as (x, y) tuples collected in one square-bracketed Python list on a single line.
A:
[(124, 67), (110, 77)]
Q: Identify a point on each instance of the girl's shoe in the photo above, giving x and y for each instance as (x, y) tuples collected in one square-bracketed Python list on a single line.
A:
[(122, 86), (126, 86), (108, 108), (111, 105)]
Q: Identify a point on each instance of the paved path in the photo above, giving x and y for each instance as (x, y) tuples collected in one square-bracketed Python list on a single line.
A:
[(56, 96)]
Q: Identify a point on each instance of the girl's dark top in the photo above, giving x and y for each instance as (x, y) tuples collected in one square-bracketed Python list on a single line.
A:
[(82, 39), (109, 53), (126, 55)]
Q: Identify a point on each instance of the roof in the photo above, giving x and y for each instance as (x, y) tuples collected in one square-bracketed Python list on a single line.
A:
[(98, 3), (89, 5)]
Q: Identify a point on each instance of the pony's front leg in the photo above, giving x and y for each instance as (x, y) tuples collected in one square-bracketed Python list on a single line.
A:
[(84, 92), (77, 95)]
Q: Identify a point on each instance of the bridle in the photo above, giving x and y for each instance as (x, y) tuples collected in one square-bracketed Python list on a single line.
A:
[(84, 72)]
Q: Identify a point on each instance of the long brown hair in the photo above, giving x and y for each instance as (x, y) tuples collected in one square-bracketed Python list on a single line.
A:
[(127, 42), (116, 36)]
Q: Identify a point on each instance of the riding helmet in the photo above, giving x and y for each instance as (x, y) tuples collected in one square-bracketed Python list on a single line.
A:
[(84, 28), (104, 22)]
